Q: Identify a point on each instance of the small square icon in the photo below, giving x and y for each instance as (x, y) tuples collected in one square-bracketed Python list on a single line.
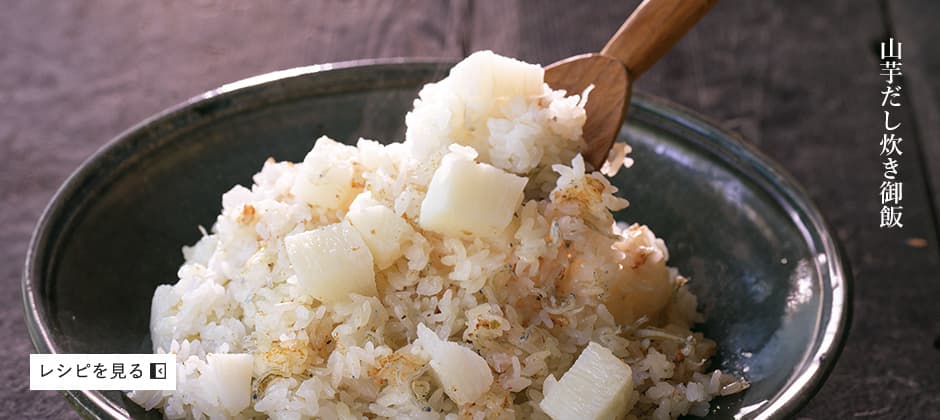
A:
[(158, 371)]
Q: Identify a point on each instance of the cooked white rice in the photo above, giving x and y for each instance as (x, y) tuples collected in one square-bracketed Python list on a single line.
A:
[(527, 297)]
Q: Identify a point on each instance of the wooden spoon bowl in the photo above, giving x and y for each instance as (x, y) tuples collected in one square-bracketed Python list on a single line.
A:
[(650, 31)]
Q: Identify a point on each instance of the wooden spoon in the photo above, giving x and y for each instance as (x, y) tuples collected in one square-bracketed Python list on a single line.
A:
[(652, 29)]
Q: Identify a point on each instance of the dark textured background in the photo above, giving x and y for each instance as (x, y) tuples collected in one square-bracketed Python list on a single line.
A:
[(798, 79)]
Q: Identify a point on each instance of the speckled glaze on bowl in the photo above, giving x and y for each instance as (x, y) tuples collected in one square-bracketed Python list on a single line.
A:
[(768, 273)]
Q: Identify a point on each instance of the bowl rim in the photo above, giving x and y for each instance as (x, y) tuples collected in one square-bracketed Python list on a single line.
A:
[(830, 338), (815, 367)]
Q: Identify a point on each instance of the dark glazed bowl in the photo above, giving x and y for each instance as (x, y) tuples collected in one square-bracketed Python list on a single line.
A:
[(769, 275)]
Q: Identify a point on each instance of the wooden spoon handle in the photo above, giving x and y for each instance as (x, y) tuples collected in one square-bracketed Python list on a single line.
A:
[(652, 30)]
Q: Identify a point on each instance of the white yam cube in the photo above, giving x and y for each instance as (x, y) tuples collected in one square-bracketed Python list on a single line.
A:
[(487, 76), (598, 386), (464, 375), (332, 262), (231, 377), (383, 231), (324, 179), (468, 198)]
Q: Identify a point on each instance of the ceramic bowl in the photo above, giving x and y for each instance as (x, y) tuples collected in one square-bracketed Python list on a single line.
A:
[(768, 273)]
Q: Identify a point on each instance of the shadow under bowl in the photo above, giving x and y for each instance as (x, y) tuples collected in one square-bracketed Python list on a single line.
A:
[(769, 276)]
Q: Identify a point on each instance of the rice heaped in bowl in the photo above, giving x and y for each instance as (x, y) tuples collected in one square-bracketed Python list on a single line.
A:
[(474, 270)]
